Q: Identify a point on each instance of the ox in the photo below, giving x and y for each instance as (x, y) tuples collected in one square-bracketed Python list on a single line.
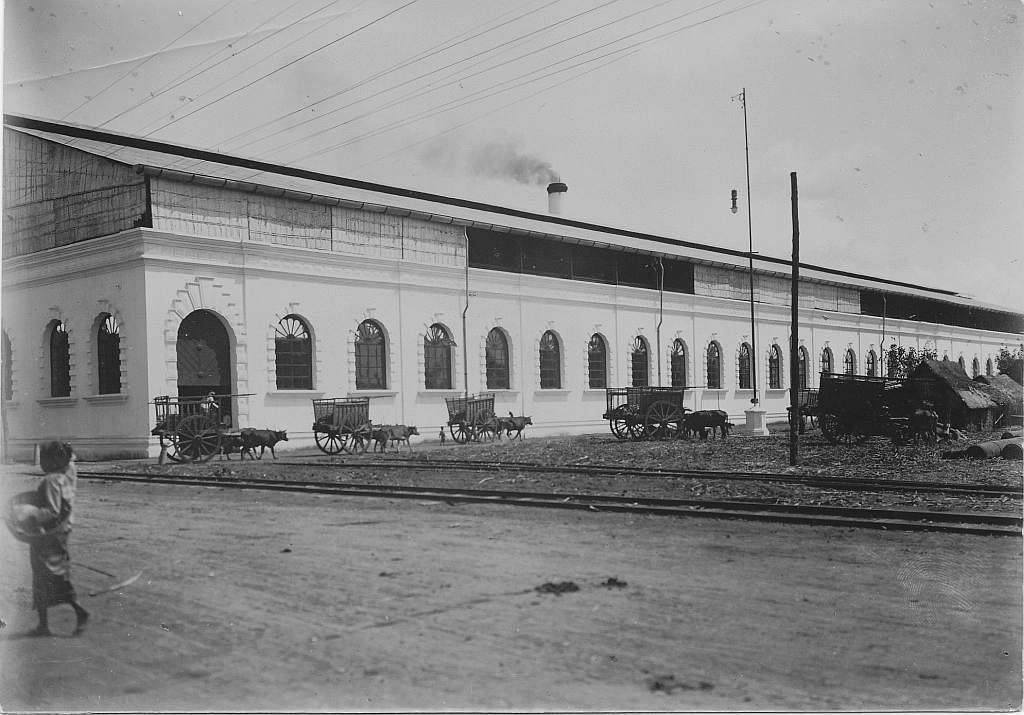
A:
[(229, 444), (516, 424), (262, 438), (382, 434), (703, 420), (923, 425)]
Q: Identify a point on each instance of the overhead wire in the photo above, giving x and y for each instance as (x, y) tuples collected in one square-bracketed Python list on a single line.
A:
[(183, 77), (418, 57), (135, 67), (432, 72), (284, 66), (463, 101)]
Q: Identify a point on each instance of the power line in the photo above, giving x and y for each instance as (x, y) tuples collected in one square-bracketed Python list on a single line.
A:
[(185, 76), (453, 104), (284, 66), (147, 59), (436, 49), (423, 76)]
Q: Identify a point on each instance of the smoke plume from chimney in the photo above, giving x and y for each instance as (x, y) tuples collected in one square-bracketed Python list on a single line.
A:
[(504, 159)]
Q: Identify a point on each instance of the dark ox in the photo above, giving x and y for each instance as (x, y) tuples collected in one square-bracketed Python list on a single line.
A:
[(263, 438), (515, 424), (701, 421), (923, 425)]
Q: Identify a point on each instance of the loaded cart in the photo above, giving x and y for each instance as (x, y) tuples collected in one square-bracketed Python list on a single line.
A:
[(471, 417), (191, 429), (639, 413), (341, 423), (852, 408)]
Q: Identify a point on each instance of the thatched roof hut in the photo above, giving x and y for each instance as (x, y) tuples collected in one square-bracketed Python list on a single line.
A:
[(1008, 393), (958, 399)]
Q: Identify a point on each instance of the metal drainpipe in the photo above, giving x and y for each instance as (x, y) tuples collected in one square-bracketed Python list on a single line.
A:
[(661, 312), (465, 344)]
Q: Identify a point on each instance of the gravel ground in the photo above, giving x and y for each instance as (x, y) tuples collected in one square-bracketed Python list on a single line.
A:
[(876, 459)]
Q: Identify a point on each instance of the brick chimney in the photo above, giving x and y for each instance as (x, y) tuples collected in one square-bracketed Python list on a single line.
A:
[(556, 190)]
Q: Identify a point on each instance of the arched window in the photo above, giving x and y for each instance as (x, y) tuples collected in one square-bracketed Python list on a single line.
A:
[(826, 360), (7, 384), (744, 367), (872, 366), (963, 365), (638, 362), (550, 362), (850, 363), (678, 363), (714, 367), (496, 356), (60, 361), (802, 368), (775, 368), (293, 352), (975, 367), (988, 367), (437, 358), (108, 355), (371, 357), (597, 362)]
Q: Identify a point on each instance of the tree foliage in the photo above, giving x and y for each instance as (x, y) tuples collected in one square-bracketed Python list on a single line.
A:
[(900, 362), (1011, 362)]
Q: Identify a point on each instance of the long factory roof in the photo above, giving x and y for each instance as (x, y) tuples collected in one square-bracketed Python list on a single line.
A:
[(190, 164)]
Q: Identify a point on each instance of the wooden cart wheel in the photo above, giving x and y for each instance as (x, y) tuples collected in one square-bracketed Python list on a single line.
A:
[(329, 442), (486, 431), (198, 439), (839, 431), (635, 428), (619, 428), (459, 431), (169, 443), (663, 421)]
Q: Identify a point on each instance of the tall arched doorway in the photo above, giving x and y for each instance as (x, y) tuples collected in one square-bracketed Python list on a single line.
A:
[(204, 357)]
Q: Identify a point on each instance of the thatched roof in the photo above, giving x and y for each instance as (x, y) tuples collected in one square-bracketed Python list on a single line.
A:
[(973, 395), (1004, 390)]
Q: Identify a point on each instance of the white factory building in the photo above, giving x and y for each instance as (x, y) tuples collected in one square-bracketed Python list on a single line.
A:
[(134, 269)]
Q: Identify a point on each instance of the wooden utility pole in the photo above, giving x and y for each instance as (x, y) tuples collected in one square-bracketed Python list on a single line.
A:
[(794, 343)]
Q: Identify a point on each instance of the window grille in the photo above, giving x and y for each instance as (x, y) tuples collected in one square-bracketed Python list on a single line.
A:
[(678, 364), (988, 367), (60, 361), (7, 385), (550, 362), (638, 362), (108, 354), (371, 356), (872, 366), (850, 363), (744, 367), (963, 365), (975, 368), (437, 358), (826, 360), (497, 360), (293, 350), (802, 368), (714, 367), (775, 368), (597, 362)]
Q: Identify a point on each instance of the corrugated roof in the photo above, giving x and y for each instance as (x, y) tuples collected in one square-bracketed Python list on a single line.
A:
[(190, 161)]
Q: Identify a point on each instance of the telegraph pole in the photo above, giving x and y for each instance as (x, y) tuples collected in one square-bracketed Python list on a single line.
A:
[(750, 235), (794, 344)]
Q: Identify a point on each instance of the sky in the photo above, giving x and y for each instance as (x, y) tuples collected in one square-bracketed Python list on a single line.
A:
[(901, 118)]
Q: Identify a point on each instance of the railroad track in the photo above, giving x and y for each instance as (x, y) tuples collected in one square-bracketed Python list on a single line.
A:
[(855, 517), (853, 485)]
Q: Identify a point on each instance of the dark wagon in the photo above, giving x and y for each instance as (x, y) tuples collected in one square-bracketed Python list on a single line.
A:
[(639, 413), (341, 423), (192, 429), (471, 417), (852, 408)]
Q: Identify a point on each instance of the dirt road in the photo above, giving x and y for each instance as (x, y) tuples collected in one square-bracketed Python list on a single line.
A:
[(258, 601)]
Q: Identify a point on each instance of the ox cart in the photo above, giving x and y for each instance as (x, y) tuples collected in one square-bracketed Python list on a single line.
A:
[(852, 408), (807, 409), (192, 429), (341, 424), (471, 417), (639, 413)]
